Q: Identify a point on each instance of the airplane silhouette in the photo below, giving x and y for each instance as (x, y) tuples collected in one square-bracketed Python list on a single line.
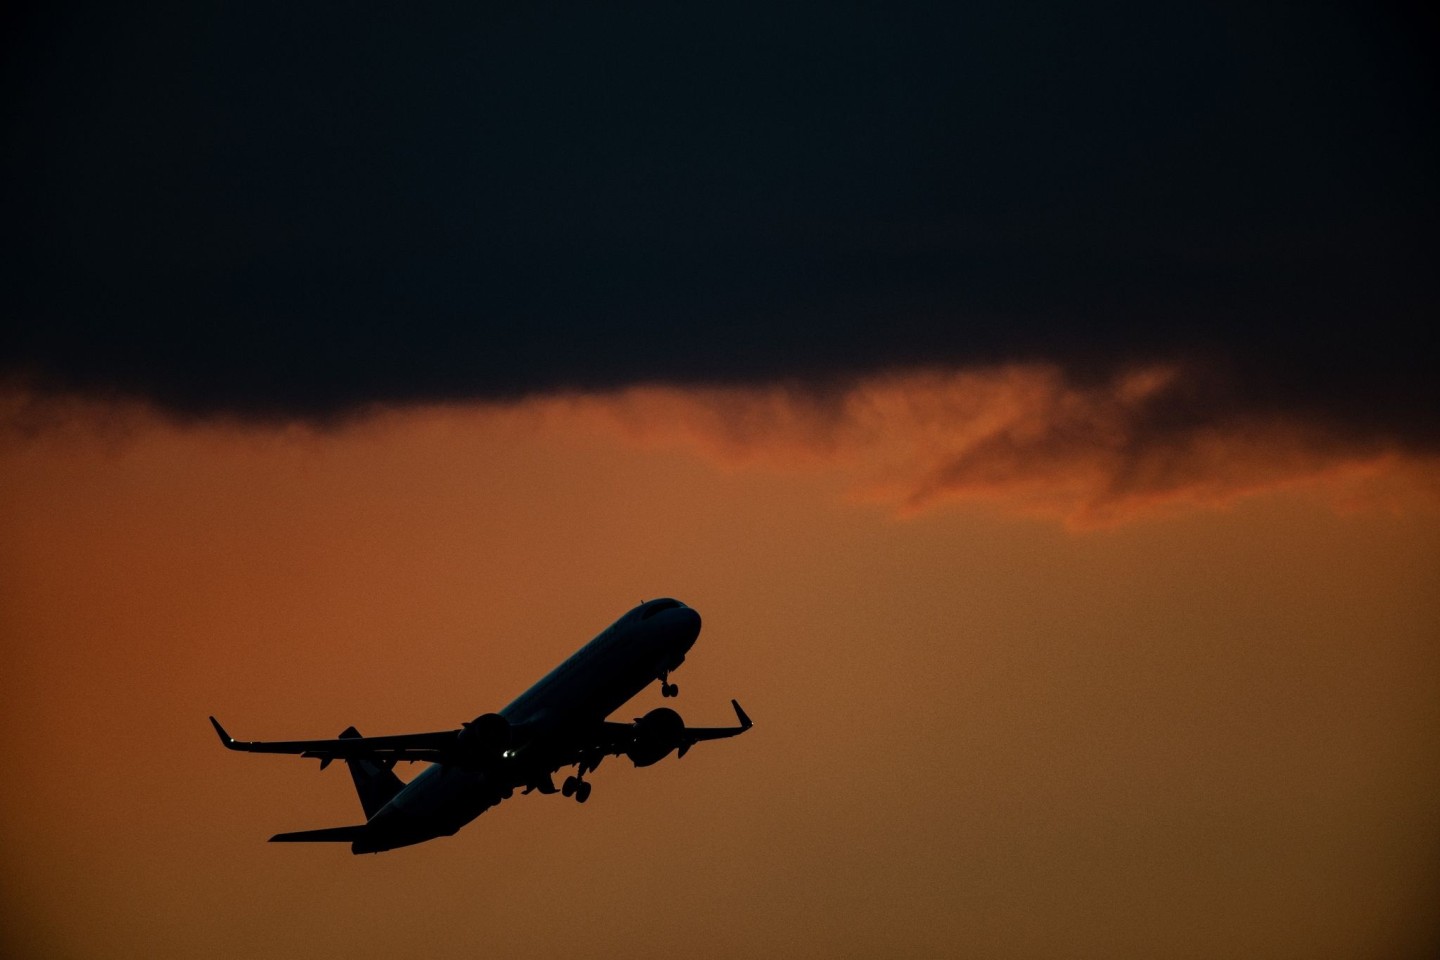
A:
[(557, 723)]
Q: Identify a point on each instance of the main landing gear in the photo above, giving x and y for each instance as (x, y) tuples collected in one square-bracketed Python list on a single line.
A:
[(577, 788), (667, 689)]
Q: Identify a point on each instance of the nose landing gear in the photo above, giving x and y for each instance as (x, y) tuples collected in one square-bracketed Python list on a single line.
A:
[(667, 689)]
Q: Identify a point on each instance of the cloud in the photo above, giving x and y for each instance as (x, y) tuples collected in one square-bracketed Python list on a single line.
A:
[(1027, 439), (484, 205), (1024, 437)]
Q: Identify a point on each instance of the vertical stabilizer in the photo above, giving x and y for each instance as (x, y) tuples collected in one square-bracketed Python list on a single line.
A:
[(375, 780)]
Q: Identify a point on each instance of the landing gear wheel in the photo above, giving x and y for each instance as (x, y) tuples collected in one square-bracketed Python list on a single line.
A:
[(569, 787), (582, 792), (669, 690)]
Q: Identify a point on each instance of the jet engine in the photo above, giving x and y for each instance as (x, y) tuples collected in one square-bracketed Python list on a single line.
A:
[(654, 736), (483, 739)]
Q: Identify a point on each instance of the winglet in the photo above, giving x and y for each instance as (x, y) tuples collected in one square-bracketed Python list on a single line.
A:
[(225, 738), (745, 723)]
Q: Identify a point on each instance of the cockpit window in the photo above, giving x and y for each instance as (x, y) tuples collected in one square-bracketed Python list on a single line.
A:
[(657, 606)]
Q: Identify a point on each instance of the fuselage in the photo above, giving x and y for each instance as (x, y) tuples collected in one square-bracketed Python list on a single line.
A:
[(641, 646)]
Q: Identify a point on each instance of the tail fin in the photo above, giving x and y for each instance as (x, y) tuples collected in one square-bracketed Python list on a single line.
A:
[(375, 780)]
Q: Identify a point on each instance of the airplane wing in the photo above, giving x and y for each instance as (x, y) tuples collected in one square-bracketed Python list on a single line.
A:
[(612, 739), (695, 734), (426, 747), (669, 733)]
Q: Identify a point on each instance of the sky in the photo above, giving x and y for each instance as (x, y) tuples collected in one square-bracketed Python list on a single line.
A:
[(1034, 400)]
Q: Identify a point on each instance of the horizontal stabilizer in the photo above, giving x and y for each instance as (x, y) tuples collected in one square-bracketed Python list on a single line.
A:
[(327, 835)]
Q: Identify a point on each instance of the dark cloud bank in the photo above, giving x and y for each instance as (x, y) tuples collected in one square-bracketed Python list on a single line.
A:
[(278, 210)]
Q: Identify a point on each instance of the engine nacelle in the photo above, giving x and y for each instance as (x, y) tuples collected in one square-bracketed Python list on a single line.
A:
[(483, 739), (654, 736)]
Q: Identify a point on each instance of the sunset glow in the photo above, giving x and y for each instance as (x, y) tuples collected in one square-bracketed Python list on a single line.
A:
[(1036, 403), (975, 732)]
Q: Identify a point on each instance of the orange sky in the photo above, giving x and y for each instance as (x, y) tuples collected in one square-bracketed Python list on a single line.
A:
[(1026, 721)]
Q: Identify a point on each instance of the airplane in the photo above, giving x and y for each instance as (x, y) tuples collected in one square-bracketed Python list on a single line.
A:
[(557, 723)]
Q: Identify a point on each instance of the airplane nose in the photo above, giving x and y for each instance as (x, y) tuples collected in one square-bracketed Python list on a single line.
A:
[(690, 622)]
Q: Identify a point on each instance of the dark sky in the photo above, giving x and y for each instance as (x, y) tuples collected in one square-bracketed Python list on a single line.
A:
[(282, 210)]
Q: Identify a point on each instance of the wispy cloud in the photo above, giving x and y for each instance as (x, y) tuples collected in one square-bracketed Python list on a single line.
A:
[(1025, 437), (1029, 439)]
